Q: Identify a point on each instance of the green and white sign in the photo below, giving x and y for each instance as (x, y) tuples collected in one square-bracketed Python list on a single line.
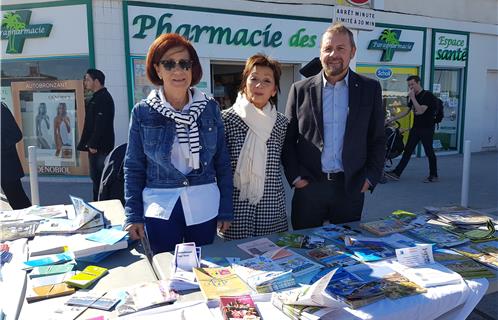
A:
[(45, 31), (450, 50), (223, 35), (16, 28), (391, 46)]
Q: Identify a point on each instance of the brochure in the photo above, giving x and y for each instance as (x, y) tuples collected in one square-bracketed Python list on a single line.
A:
[(428, 275), (294, 240), (298, 264), (437, 235), (239, 307), (87, 277)]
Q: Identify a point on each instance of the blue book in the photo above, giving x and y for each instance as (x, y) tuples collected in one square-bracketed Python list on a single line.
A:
[(107, 236), (50, 259)]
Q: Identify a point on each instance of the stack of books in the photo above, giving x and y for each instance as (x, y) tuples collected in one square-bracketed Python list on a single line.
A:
[(466, 267)]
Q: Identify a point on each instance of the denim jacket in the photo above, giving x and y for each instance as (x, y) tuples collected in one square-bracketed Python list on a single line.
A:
[(148, 158)]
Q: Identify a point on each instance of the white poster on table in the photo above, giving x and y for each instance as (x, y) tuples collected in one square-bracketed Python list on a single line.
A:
[(54, 124)]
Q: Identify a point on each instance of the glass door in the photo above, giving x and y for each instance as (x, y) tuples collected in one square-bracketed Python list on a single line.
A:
[(447, 87)]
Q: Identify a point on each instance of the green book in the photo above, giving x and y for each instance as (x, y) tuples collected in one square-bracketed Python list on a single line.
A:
[(51, 270)]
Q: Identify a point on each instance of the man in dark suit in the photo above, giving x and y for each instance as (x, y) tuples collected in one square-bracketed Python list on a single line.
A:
[(335, 143), (98, 130)]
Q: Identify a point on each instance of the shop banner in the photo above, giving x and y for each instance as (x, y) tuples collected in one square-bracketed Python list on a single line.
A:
[(224, 35), (450, 50), (39, 32)]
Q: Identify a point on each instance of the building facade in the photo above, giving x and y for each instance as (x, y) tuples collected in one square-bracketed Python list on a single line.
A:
[(48, 45)]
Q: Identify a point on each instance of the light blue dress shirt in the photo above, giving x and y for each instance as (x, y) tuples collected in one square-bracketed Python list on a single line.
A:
[(335, 113)]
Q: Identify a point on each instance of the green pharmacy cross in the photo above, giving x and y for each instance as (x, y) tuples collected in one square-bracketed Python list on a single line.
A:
[(389, 43), (16, 29)]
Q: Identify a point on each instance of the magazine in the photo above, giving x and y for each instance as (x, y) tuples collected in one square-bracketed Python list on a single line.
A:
[(298, 264), (16, 230), (395, 286), (457, 215), (368, 249)]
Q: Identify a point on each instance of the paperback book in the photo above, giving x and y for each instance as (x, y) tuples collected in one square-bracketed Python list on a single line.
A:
[(87, 277), (386, 226), (300, 312), (352, 290), (48, 287), (332, 256), (239, 307), (437, 235), (298, 264), (216, 282), (264, 275), (457, 215)]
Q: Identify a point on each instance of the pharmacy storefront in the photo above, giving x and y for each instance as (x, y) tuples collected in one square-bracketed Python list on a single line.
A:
[(47, 47), (223, 40), (390, 54)]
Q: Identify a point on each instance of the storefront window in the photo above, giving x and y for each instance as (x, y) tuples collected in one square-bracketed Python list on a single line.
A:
[(141, 85), (46, 97), (394, 92), (226, 82), (447, 86)]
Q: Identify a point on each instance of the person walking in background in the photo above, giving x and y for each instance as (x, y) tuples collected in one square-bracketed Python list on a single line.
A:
[(42, 126), (178, 180), (12, 170), (62, 128), (423, 103), (255, 134), (335, 143), (98, 129)]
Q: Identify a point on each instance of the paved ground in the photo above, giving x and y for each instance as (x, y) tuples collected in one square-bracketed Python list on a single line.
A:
[(410, 193)]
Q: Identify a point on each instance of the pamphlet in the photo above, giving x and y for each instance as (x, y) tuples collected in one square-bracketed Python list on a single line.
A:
[(415, 256)]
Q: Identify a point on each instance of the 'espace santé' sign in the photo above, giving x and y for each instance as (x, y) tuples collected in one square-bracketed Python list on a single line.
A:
[(450, 50)]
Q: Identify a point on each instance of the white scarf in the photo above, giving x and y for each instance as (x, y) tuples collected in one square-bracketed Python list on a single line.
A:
[(250, 173), (188, 139)]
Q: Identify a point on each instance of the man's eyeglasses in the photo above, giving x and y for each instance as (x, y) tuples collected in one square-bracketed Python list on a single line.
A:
[(171, 64)]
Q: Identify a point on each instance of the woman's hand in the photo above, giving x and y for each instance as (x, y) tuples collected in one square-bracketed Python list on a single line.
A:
[(136, 231), (223, 225)]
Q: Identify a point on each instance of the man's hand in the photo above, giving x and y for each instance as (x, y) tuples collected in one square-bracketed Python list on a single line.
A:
[(136, 231), (365, 187), (301, 183), (411, 95), (223, 225), (92, 150)]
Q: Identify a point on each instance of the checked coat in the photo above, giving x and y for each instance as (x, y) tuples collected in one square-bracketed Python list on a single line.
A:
[(269, 215)]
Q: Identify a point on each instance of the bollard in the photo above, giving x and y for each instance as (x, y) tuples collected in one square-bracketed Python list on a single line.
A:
[(33, 175), (464, 202)]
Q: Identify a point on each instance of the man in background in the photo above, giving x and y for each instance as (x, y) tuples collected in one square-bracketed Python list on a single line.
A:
[(423, 103), (98, 130)]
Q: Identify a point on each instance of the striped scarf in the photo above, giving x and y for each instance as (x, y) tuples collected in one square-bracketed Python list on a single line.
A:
[(186, 123)]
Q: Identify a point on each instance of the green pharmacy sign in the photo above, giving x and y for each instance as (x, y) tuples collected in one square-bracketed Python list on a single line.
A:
[(389, 43), (16, 29)]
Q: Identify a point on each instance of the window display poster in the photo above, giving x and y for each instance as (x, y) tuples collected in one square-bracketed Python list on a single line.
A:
[(142, 85), (54, 127)]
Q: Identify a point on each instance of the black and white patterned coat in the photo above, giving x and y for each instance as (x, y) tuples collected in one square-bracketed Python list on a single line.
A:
[(269, 215)]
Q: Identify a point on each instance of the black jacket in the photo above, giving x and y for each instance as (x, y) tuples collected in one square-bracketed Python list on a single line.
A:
[(364, 139), (11, 135), (98, 130)]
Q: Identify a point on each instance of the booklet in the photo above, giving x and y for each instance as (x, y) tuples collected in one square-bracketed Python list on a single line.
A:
[(51, 270), (92, 300), (64, 257), (14, 230), (298, 264), (43, 288), (428, 275), (187, 257), (368, 249)]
